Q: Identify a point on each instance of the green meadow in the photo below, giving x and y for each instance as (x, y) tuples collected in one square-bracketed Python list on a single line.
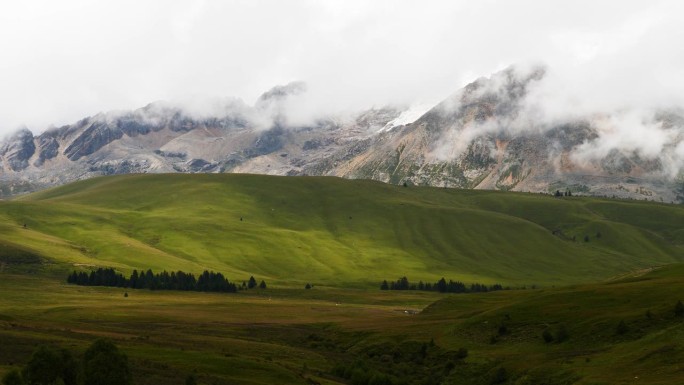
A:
[(598, 278)]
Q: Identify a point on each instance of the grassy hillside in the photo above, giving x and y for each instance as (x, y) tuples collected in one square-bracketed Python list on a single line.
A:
[(297, 336), (290, 230), (606, 305), (618, 332)]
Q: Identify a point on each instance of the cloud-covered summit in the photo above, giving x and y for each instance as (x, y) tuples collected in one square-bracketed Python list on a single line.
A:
[(493, 133)]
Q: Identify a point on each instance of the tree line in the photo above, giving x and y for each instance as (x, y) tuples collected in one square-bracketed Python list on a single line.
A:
[(208, 281), (442, 286)]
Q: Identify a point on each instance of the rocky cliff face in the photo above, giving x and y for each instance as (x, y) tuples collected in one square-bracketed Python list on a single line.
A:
[(17, 150), (483, 136)]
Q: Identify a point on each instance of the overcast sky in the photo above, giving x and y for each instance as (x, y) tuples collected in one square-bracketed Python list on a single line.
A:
[(63, 60)]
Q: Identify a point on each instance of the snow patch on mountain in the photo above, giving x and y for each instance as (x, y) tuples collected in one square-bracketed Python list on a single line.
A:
[(410, 115)]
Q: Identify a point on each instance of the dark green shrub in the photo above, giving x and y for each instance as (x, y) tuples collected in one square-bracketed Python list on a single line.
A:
[(13, 378), (499, 376), (679, 309), (104, 364), (503, 330), (462, 353), (561, 333), (50, 365), (621, 328)]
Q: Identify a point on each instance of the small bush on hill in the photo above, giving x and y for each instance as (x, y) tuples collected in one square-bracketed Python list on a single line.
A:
[(50, 365), (462, 353), (503, 329), (13, 378), (621, 328), (499, 376), (679, 309), (104, 364), (561, 333)]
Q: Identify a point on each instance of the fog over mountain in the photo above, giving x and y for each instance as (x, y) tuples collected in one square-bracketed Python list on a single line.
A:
[(492, 134), (523, 95)]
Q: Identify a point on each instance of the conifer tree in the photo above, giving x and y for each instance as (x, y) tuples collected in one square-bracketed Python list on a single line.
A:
[(442, 285), (133, 281)]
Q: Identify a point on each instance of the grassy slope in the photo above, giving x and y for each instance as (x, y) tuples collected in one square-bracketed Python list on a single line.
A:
[(299, 229), (649, 349), (289, 336), (333, 231)]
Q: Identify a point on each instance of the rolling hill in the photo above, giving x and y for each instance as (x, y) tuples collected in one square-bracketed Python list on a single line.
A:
[(603, 310), (335, 232)]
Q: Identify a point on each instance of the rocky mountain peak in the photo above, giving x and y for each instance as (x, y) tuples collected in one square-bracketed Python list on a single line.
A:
[(280, 93), (274, 103), (482, 136), (17, 149)]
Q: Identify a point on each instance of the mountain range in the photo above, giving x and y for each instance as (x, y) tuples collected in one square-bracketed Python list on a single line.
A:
[(488, 135)]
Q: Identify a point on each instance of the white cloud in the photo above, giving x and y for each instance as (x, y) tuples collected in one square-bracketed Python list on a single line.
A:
[(626, 132), (65, 60)]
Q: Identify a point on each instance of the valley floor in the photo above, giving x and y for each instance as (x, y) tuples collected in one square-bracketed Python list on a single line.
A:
[(297, 336)]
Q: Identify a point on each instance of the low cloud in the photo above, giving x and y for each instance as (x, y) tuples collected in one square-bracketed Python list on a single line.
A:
[(526, 100), (68, 60)]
